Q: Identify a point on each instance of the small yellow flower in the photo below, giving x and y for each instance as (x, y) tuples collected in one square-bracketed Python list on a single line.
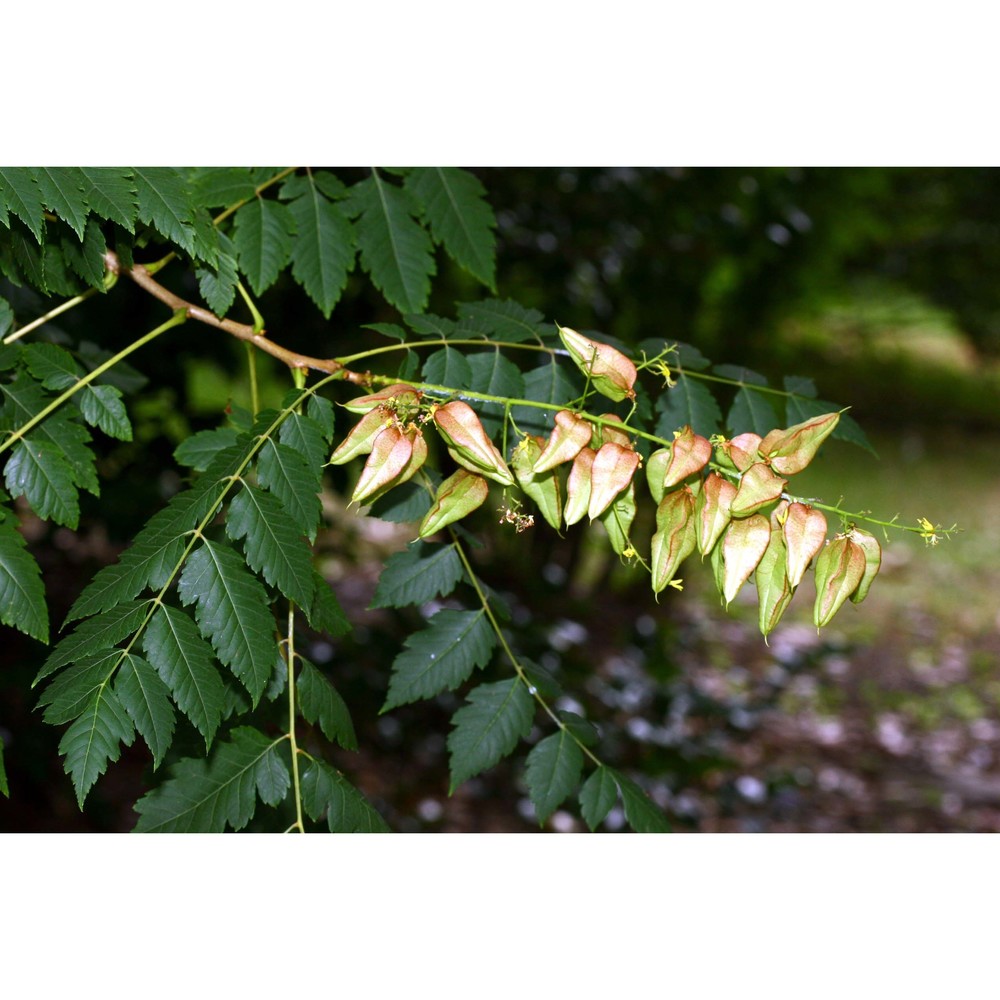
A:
[(927, 531)]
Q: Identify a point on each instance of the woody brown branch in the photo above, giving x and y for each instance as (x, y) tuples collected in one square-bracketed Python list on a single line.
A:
[(242, 331)]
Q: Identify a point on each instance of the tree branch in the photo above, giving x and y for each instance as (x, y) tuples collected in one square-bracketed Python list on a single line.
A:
[(242, 331)]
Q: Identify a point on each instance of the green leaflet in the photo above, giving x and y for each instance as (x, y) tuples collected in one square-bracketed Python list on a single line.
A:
[(798, 410), (429, 325), (111, 194), (418, 574), (102, 406), (53, 366), (455, 207), (36, 471), (505, 319), (494, 375), (395, 250), (232, 612), (20, 195), (308, 438), (347, 810), (67, 696), (295, 481), (441, 656), (220, 187), (409, 502), (323, 252), (688, 402), (273, 544), (325, 613), (218, 283), (263, 233), (550, 382), (751, 410), (62, 192), (94, 739), (319, 410), (206, 796), (22, 595), (87, 260), (447, 367), (200, 448), (319, 701), (488, 727), (553, 772), (598, 796), (165, 203), (147, 700), (642, 815), (184, 662)]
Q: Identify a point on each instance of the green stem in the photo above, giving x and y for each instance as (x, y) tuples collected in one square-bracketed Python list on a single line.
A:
[(252, 369), (290, 656), (258, 320), (175, 320)]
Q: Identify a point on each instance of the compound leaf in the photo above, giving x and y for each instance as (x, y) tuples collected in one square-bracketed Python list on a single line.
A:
[(441, 656), (417, 574), (319, 702), (206, 796), (232, 613), (488, 728), (395, 250), (184, 662), (347, 810), (147, 700), (553, 772), (22, 595), (454, 204), (295, 481), (273, 544)]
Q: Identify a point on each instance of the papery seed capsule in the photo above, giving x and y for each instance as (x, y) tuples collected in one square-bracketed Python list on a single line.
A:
[(468, 443), (790, 451), (759, 487), (609, 432), (611, 373), (689, 454), (741, 452), (570, 434), (578, 486), (618, 518), (398, 395), (656, 472), (774, 591), (675, 536), (544, 488), (613, 469), (743, 545), (362, 436), (459, 495), (873, 561), (413, 465), (839, 569), (713, 511), (390, 454), (805, 532)]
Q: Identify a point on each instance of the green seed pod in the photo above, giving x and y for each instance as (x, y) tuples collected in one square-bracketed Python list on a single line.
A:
[(759, 486), (570, 434), (774, 591), (456, 497), (415, 462), (656, 472), (608, 432), (689, 454), (804, 530), (713, 512), (468, 443), (790, 451), (675, 536), (618, 518), (544, 488), (390, 454), (839, 569), (362, 436), (613, 469), (611, 373), (578, 486), (873, 562), (396, 395), (743, 545)]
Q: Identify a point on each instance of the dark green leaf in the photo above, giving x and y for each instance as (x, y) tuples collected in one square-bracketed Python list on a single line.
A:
[(36, 470), (102, 406), (798, 410), (390, 330), (232, 612), (488, 728), (325, 614), (553, 772), (4, 789), (147, 700), (584, 731), (405, 503), (740, 374), (20, 194), (295, 481), (29, 257), (505, 319), (417, 574), (455, 206), (320, 410), (220, 187), (22, 595), (688, 402), (94, 739), (87, 260), (122, 376), (751, 411), (800, 385), (441, 656), (494, 375), (218, 283), (53, 366), (184, 662), (111, 194), (62, 190), (395, 250), (8, 351), (165, 203), (550, 382), (642, 815), (308, 438), (264, 234), (319, 702), (69, 694), (429, 325), (448, 367), (206, 796), (347, 810), (197, 451), (323, 251), (597, 797), (273, 543)]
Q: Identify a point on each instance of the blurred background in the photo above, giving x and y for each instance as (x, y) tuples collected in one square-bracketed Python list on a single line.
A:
[(880, 284)]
